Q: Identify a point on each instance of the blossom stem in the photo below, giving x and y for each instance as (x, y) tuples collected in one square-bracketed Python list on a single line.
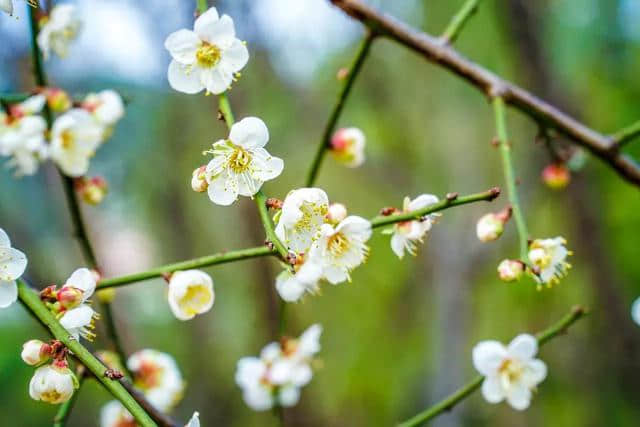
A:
[(225, 109), (458, 21), (509, 174), (205, 261), (32, 301), (356, 66), (201, 6), (261, 202), (449, 402), (488, 195)]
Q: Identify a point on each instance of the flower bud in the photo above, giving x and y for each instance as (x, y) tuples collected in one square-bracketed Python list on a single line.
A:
[(342, 73), (106, 295), (347, 146), (52, 384), (336, 213), (34, 352), (556, 176), (491, 225), (190, 293), (510, 270), (70, 297), (58, 100), (199, 182)]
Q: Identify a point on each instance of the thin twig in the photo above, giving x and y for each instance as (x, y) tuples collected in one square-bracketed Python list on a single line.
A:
[(458, 21), (450, 401), (627, 134), (602, 146)]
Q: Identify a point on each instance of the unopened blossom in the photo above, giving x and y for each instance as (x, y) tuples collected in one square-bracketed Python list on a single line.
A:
[(491, 225), (75, 136), (194, 421), (240, 164), (113, 414), (635, 311), (275, 378), (548, 256), (347, 146), (58, 100), (407, 234), (35, 352), (190, 293), (336, 213), (12, 264), (73, 303), (106, 107), (207, 57), (199, 182), (291, 286), (58, 30), (158, 376), (303, 213), (511, 372), (92, 190), (510, 270), (556, 176), (341, 248), (52, 384)]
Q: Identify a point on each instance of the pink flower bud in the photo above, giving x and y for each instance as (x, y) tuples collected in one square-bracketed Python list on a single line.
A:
[(35, 352), (199, 182), (70, 297), (336, 213), (92, 190), (556, 176), (510, 270), (58, 100), (491, 225), (347, 146)]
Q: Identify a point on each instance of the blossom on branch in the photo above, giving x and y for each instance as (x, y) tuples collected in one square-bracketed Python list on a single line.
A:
[(548, 257), (53, 383), (157, 375), (510, 372), (208, 57), (190, 293), (58, 30), (510, 270), (303, 212), (113, 414), (406, 235), (240, 164), (347, 146), (106, 107), (635, 311), (12, 265), (491, 225), (75, 136), (35, 352), (72, 305), (291, 286)]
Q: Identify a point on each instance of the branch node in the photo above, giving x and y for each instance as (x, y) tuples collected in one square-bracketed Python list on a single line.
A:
[(493, 193), (113, 374), (452, 196)]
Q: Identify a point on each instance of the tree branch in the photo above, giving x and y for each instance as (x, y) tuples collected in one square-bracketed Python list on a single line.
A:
[(450, 401), (627, 134), (602, 146), (458, 21)]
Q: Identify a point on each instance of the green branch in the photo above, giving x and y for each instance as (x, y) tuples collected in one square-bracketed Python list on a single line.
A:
[(450, 401), (31, 300), (509, 175), (627, 134), (458, 21), (261, 202), (337, 108)]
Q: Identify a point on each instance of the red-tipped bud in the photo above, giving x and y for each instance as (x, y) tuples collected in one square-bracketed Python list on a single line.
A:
[(556, 176), (70, 297), (510, 270), (35, 352), (199, 182), (57, 99), (92, 190)]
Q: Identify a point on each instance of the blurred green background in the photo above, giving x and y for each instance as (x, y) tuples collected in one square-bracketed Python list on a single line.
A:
[(400, 336)]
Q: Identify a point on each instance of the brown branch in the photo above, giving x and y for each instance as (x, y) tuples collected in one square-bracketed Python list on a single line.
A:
[(602, 146)]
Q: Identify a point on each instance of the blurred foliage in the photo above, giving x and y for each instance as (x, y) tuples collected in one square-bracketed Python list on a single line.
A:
[(399, 336)]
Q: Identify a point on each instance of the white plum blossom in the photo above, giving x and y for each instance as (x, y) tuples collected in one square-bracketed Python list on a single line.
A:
[(275, 378), (240, 164), (113, 414), (347, 146), (303, 213), (35, 352), (190, 293), (549, 256), (635, 311), (305, 277), (510, 372), (52, 384), (12, 264), (158, 376), (58, 30), (194, 421), (73, 299), (207, 57), (407, 234), (75, 136), (106, 107)]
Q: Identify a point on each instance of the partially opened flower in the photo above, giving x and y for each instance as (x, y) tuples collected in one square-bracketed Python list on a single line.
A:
[(12, 265), (113, 414), (407, 234), (549, 256), (52, 384), (303, 213), (347, 146), (22, 136), (510, 270), (58, 30), (73, 303), (207, 57), (510, 372), (240, 164), (158, 376), (106, 107), (291, 286), (35, 352), (342, 248), (190, 293), (75, 136)]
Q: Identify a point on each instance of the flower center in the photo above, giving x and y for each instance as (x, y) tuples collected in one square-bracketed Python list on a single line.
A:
[(51, 396), (67, 139), (338, 244), (510, 370), (208, 55), (239, 160), (194, 299), (312, 216), (540, 257), (148, 375)]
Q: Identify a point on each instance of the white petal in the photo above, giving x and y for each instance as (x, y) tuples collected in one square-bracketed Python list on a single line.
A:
[(301, 375), (492, 389), (288, 287), (335, 275), (422, 201), (5, 242), (205, 21), (6, 6), (183, 45), (635, 310), (535, 372), (271, 352), (223, 189), (398, 244), (249, 133), (235, 57), (289, 396), (523, 347), (248, 185), (487, 356), (519, 397), (258, 398), (184, 79), (265, 166), (220, 32), (216, 79), (309, 343), (356, 226), (77, 317), (194, 421), (12, 263), (84, 280), (249, 371), (8, 293)]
